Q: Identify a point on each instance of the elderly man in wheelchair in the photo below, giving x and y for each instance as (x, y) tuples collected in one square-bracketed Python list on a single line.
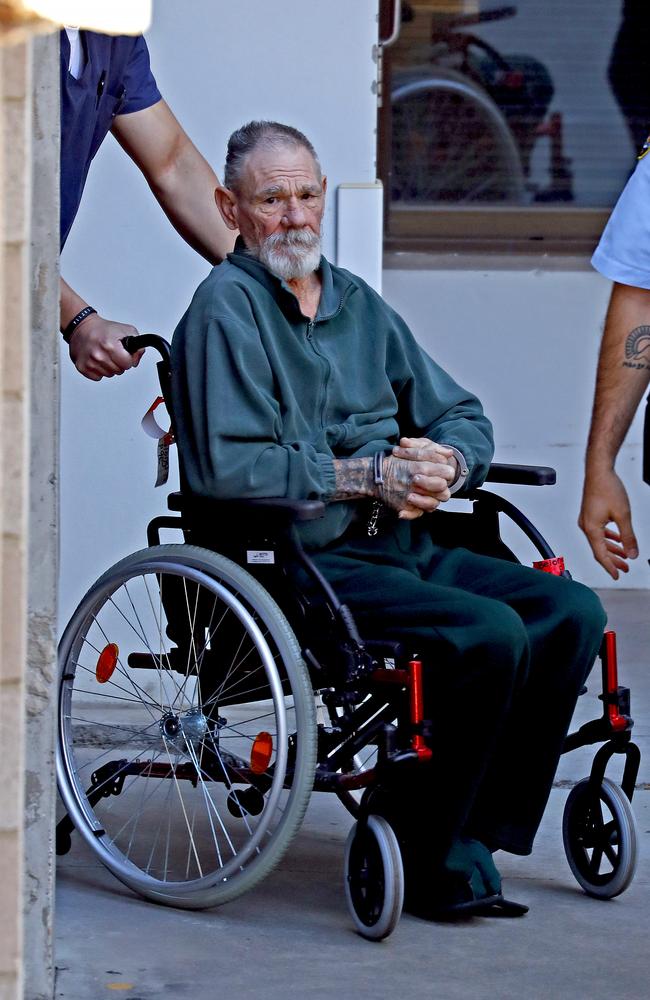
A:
[(294, 379), (327, 625)]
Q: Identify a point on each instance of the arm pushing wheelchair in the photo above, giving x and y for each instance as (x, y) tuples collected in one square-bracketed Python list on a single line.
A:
[(196, 716)]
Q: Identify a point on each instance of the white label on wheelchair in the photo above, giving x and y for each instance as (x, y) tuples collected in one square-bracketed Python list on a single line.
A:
[(260, 557)]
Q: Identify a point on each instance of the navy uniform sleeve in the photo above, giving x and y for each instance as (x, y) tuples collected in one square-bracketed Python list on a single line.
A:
[(623, 253), (139, 84)]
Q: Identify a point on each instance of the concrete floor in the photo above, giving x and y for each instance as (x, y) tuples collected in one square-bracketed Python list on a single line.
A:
[(292, 936)]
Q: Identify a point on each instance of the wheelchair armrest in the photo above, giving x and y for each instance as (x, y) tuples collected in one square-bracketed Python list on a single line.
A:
[(273, 509), (521, 475)]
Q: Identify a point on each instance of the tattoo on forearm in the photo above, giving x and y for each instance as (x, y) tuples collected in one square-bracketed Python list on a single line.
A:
[(398, 482), (354, 478), (637, 349)]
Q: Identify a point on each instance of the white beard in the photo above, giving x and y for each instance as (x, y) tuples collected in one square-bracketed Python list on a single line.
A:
[(290, 255)]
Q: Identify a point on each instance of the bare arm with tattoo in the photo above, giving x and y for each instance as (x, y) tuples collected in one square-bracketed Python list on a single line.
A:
[(411, 486), (622, 378)]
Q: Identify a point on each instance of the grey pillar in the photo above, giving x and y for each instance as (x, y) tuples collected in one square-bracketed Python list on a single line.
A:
[(40, 789)]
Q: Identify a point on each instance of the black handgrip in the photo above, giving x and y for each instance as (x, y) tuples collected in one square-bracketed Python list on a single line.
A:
[(134, 344), (521, 475)]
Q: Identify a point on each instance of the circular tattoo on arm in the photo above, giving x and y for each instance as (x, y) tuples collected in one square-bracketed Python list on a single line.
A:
[(637, 347)]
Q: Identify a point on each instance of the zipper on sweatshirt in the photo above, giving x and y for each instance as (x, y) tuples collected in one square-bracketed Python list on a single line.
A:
[(327, 370)]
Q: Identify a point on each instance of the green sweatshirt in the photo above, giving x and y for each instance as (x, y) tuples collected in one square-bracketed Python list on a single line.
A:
[(265, 399)]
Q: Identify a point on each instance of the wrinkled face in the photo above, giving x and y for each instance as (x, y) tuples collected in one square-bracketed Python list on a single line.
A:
[(279, 209)]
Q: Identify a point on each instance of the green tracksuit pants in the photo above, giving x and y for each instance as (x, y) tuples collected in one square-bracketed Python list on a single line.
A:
[(506, 650)]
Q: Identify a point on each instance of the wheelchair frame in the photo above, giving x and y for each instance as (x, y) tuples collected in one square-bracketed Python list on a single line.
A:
[(371, 691)]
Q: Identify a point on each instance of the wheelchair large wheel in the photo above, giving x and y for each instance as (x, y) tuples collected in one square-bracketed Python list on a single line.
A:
[(451, 143), (374, 878), (187, 732), (600, 838)]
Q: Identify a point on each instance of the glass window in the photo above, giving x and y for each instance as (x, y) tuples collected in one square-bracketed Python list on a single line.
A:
[(518, 121)]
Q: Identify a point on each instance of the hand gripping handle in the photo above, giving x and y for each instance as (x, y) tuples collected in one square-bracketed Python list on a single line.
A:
[(134, 344)]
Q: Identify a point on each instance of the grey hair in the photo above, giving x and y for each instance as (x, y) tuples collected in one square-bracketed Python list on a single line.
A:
[(250, 137)]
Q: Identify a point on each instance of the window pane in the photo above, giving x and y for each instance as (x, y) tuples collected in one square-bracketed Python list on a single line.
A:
[(539, 104)]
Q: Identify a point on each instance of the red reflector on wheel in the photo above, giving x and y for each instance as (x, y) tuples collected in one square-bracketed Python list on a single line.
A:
[(107, 662), (261, 753)]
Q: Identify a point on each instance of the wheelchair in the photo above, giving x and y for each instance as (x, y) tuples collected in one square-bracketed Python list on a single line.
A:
[(204, 696), (466, 118)]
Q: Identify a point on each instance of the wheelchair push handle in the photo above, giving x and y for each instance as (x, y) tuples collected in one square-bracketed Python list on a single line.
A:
[(135, 344)]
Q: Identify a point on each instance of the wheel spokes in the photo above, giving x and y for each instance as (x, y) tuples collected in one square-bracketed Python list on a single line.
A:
[(139, 819)]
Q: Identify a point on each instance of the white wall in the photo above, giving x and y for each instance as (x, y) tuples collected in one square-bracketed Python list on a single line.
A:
[(526, 341), (218, 65)]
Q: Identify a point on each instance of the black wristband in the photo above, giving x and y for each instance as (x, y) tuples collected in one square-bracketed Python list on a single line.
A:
[(74, 323)]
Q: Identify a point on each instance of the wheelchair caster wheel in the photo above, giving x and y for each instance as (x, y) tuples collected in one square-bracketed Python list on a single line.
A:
[(374, 878), (249, 802), (600, 838)]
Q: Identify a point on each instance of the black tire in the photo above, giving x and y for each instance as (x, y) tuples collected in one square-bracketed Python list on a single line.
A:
[(374, 878), (159, 736), (600, 838)]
